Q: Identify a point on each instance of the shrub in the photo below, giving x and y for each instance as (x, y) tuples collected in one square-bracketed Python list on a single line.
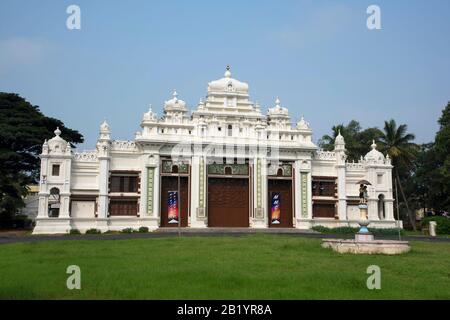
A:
[(339, 230), (93, 231), (19, 221), (386, 232), (143, 230), (442, 224), (350, 230), (127, 230), (74, 231)]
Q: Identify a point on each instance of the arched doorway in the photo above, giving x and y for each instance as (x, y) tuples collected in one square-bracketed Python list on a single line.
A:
[(381, 207), (54, 203)]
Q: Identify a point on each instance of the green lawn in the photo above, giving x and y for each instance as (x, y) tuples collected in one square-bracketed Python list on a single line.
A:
[(248, 267)]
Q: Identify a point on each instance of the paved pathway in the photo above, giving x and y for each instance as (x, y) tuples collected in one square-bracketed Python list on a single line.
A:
[(210, 232)]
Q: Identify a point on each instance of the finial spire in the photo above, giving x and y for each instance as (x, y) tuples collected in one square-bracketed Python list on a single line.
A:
[(228, 72), (57, 131), (278, 102), (374, 145)]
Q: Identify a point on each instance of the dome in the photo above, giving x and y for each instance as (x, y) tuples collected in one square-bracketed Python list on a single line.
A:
[(104, 127), (228, 84), (175, 104), (374, 154), (339, 139), (278, 110), (57, 144), (150, 115), (303, 124)]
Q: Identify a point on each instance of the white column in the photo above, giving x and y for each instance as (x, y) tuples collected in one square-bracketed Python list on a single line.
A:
[(264, 190), (144, 190), (372, 207), (156, 190), (195, 189), (297, 190), (64, 206), (43, 206), (389, 210), (342, 197), (103, 186), (309, 196)]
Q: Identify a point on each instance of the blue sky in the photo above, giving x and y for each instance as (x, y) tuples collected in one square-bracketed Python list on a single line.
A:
[(317, 56)]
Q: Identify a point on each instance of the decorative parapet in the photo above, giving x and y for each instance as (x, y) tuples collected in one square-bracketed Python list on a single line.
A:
[(363, 163), (324, 155), (86, 156), (119, 145), (355, 166)]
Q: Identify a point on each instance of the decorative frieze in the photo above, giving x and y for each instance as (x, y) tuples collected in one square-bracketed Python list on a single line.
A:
[(258, 183), (86, 156), (168, 166), (304, 194), (150, 187), (119, 145), (325, 155), (228, 169), (286, 170), (201, 183)]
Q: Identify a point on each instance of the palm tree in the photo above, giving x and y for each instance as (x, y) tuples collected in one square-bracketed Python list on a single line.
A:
[(327, 141), (397, 143)]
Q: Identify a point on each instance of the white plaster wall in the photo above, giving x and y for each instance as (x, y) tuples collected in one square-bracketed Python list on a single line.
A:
[(83, 209)]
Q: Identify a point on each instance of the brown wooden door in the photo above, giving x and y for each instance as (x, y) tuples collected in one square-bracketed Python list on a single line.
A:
[(228, 203), (284, 189), (171, 184)]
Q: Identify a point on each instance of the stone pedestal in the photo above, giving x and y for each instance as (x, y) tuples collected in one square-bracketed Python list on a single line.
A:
[(363, 237)]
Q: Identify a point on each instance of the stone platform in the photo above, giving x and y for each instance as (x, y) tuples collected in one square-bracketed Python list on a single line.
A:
[(389, 247)]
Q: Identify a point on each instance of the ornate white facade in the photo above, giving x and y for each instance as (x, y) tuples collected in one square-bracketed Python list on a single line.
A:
[(227, 161)]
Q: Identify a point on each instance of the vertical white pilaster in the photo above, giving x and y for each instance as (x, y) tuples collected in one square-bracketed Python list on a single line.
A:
[(195, 190), (297, 190), (103, 186), (156, 189), (342, 197), (143, 212), (309, 195)]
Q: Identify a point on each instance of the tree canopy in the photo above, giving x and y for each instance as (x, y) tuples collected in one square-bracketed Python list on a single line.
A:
[(432, 167), (422, 170), (357, 141), (23, 129)]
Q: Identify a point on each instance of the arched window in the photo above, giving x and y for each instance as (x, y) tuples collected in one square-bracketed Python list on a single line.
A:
[(230, 130), (228, 171), (280, 172), (381, 207), (54, 203)]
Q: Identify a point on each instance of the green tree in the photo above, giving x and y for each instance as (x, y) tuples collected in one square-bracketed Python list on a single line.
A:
[(432, 167), (357, 141), (442, 149), (397, 142), (23, 128)]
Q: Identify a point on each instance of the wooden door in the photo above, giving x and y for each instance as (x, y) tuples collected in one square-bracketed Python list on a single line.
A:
[(228, 202), (282, 188), (169, 184)]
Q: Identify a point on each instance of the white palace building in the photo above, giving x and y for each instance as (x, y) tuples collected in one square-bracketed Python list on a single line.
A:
[(225, 164)]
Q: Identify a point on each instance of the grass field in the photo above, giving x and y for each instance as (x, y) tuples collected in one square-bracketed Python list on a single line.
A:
[(247, 267)]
